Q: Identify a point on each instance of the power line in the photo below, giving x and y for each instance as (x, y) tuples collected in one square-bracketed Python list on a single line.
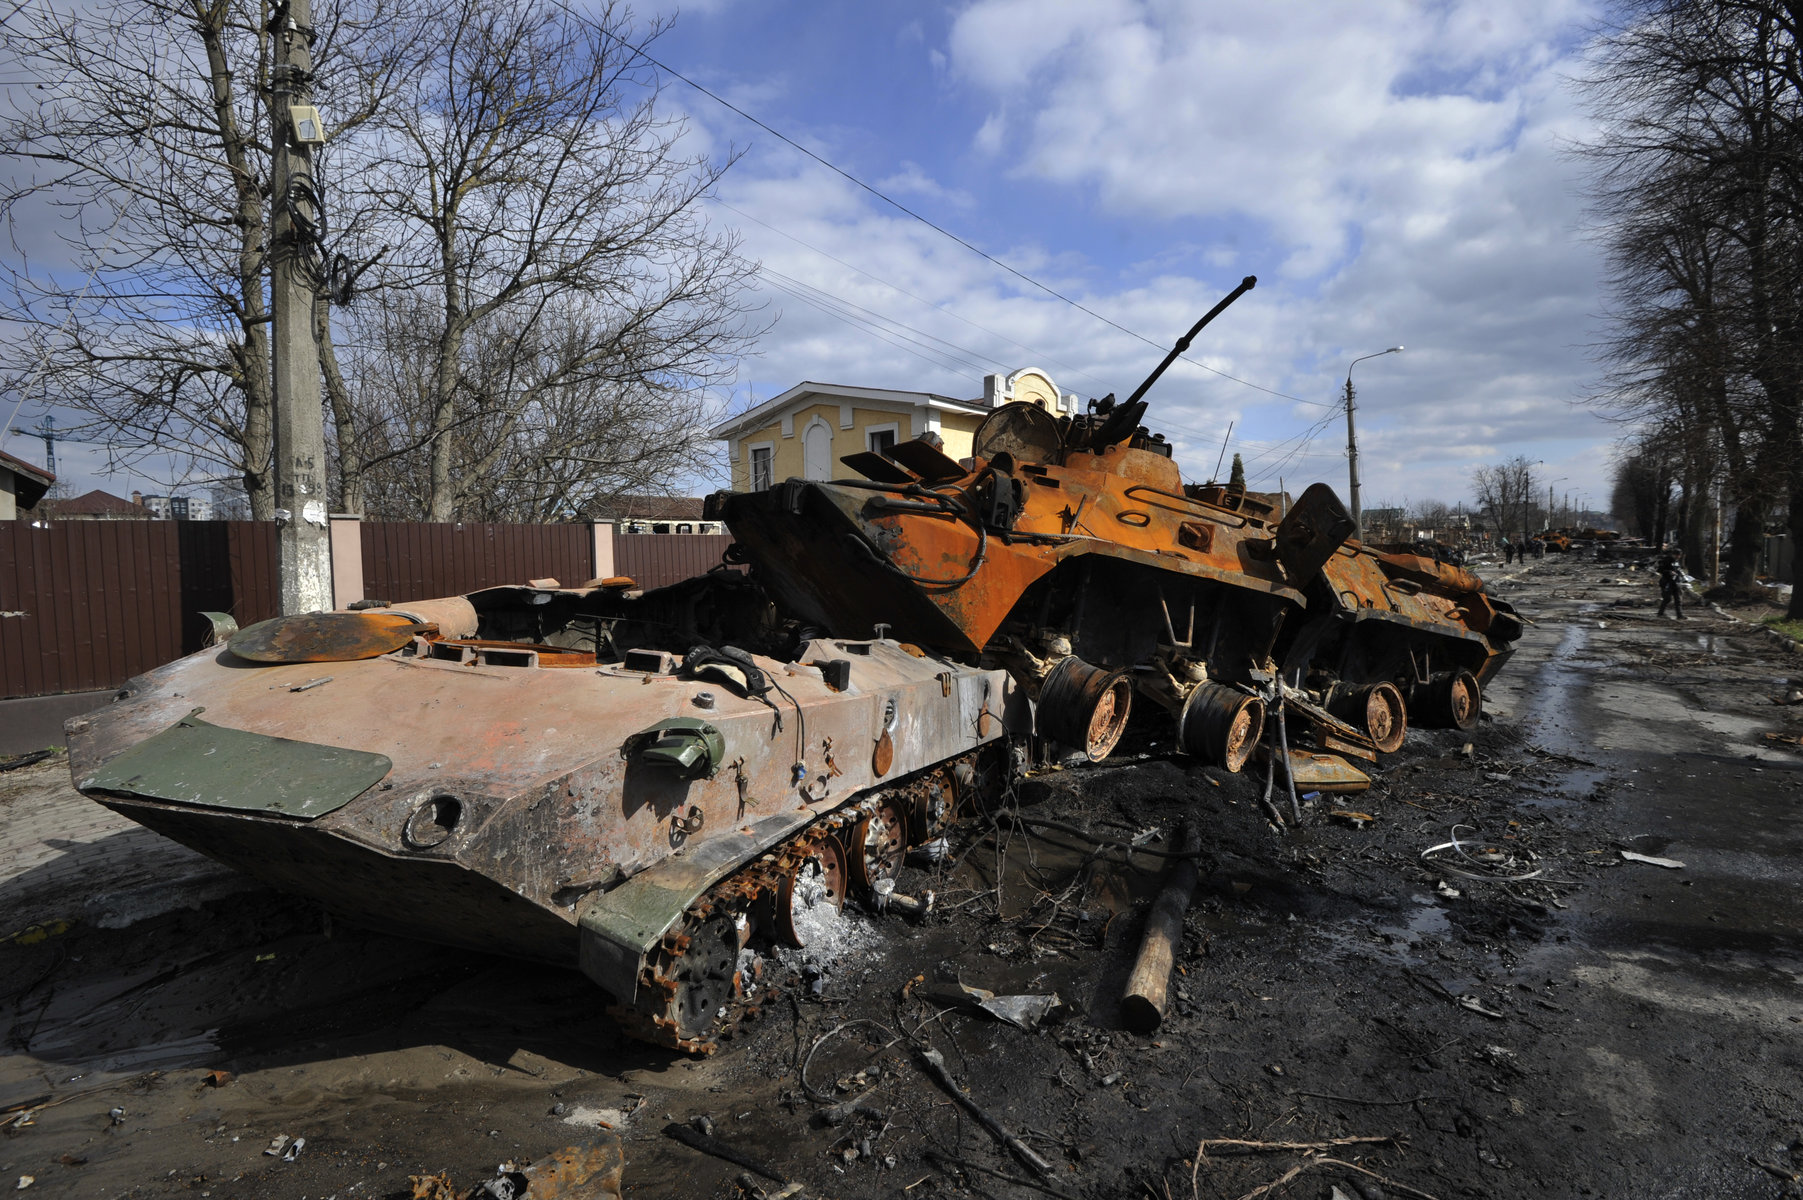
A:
[(1038, 355), (939, 229)]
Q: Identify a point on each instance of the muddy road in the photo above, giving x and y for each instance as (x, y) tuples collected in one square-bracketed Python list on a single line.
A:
[(1528, 1013)]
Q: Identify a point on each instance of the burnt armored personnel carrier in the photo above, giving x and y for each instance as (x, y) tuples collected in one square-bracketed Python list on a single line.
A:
[(655, 787), (584, 776), (1070, 552)]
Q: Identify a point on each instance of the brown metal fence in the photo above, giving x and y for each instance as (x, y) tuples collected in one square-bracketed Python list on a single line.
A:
[(410, 560), (659, 559), (85, 605)]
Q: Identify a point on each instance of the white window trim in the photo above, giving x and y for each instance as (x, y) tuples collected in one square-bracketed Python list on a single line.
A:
[(892, 427), (751, 450)]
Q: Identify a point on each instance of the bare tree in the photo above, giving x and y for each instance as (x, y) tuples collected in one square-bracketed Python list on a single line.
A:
[(1700, 187), (552, 303), (1507, 492), (538, 283), (1432, 514), (1640, 493), (138, 133)]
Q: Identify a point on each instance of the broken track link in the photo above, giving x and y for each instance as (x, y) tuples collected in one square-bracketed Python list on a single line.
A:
[(699, 983)]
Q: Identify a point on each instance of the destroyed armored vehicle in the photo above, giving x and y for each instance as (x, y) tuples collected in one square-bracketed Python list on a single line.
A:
[(660, 787), (1070, 552), (586, 776)]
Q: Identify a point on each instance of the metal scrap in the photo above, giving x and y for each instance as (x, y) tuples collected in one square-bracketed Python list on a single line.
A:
[(1027, 1012), (1488, 865)]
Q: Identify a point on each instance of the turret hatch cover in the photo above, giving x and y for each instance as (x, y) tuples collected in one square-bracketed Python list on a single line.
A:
[(326, 637), (1026, 431)]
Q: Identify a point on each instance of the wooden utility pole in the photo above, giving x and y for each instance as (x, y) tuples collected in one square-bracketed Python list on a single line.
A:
[(1352, 442), (304, 538)]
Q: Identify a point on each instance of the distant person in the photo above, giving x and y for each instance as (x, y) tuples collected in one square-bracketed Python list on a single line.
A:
[(1539, 547), (1670, 586), (1508, 552)]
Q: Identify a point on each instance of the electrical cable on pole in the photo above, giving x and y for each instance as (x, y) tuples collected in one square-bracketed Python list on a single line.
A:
[(1352, 442), (304, 563)]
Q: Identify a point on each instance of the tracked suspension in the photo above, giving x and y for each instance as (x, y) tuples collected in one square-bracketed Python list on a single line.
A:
[(705, 977)]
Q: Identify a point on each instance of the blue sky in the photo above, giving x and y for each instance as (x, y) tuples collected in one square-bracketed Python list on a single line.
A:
[(1392, 172)]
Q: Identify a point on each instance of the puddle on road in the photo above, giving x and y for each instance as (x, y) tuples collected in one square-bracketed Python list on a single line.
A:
[(1426, 920), (1555, 690)]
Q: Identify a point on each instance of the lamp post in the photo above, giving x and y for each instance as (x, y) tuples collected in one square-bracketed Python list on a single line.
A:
[(1352, 440), (1549, 498)]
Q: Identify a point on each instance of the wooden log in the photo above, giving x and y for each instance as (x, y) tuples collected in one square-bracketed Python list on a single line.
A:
[(1147, 988)]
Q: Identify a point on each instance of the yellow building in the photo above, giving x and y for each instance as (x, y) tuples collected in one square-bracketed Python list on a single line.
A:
[(806, 432)]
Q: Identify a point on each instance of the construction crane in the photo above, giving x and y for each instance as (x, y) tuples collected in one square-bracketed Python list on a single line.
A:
[(47, 430)]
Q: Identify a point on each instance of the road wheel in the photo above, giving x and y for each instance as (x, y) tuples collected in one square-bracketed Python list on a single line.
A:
[(1449, 701)]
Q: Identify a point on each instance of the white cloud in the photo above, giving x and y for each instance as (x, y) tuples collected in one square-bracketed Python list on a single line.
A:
[(1389, 169)]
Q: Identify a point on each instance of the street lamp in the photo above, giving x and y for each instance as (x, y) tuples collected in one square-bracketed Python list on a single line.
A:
[(1352, 440), (1549, 498)]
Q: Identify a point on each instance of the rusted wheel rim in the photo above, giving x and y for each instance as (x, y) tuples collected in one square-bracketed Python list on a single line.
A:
[(937, 807), (1386, 717), (1242, 736), (811, 895), (1464, 700), (877, 844), (1109, 720)]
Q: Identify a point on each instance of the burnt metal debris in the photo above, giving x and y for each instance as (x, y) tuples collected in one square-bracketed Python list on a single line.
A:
[(661, 787)]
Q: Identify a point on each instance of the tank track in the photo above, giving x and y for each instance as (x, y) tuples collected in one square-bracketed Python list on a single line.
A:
[(705, 977)]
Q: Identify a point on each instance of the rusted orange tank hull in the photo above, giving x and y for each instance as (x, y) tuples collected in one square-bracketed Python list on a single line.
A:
[(1055, 541)]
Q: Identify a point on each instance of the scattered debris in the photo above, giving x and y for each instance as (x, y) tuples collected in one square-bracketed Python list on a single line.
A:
[(277, 1144), (1028, 1012), (37, 932), (1488, 864), (1316, 1156), (886, 899), (1473, 1004), (587, 1171), (1025, 1012), (1144, 1003), (749, 1186), (935, 1065), (695, 1139), (1670, 864), (25, 760)]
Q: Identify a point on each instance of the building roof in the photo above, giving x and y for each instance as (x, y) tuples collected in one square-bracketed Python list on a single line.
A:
[(761, 415), (650, 508), (95, 504), (33, 481)]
